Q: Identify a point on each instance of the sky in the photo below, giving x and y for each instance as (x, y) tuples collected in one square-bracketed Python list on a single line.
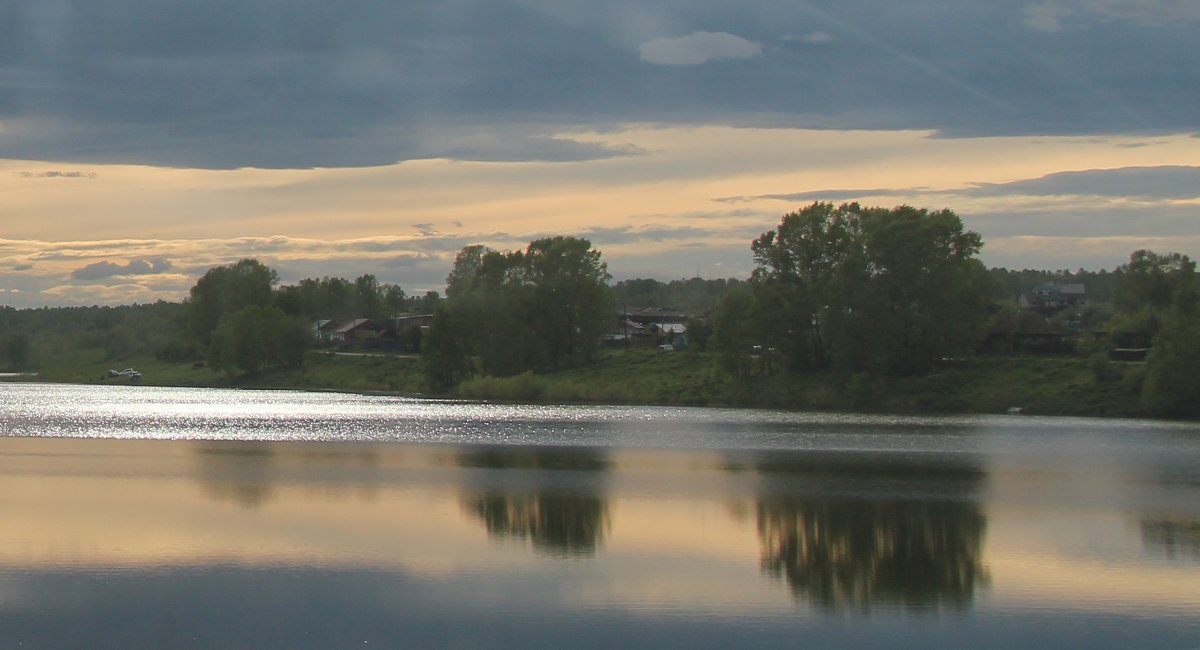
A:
[(143, 142)]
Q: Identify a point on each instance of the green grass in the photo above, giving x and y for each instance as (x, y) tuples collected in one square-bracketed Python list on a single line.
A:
[(321, 371), (1038, 385)]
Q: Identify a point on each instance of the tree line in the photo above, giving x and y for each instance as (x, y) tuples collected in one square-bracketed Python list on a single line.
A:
[(839, 289)]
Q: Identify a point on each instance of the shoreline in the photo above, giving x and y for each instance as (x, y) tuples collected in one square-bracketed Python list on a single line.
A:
[(1062, 386)]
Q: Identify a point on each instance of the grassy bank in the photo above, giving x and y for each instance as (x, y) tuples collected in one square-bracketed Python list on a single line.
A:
[(1051, 386), (321, 371)]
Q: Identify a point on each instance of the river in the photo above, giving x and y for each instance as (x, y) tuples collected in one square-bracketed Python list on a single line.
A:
[(169, 517)]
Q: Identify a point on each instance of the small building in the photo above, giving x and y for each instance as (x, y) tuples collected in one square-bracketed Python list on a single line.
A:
[(649, 327), (357, 332), (405, 321), (653, 315), (322, 330), (1049, 298)]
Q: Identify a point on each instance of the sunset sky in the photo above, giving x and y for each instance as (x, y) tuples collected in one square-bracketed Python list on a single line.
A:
[(142, 142)]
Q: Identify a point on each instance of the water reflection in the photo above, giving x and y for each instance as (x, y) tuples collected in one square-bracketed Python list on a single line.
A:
[(552, 497), (853, 554), (1176, 539), (241, 474), (689, 527), (248, 473), (876, 531)]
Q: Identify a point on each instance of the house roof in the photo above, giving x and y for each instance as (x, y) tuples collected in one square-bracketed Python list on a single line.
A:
[(357, 323), (654, 314)]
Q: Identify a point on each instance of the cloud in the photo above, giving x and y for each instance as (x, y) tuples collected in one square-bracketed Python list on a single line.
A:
[(830, 195), (1157, 183), (407, 260), (1046, 17), (101, 270), (1050, 16), (601, 236), (697, 48), (233, 85), (57, 174), (812, 38)]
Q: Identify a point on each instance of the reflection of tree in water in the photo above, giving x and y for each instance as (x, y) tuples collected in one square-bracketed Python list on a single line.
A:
[(240, 472), (247, 472), (556, 524), (548, 496), (855, 553), (1174, 538)]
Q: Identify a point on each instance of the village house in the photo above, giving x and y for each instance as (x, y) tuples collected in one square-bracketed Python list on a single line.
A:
[(1049, 298), (357, 332), (650, 326)]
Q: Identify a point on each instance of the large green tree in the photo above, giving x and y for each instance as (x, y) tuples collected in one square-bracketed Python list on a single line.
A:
[(1144, 290), (1157, 297), (544, 308), (570, 303), (256, 338), (868, 289), (224, 290)]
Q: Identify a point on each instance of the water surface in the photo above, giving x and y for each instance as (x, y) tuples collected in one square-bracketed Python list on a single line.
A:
[(139, 517)]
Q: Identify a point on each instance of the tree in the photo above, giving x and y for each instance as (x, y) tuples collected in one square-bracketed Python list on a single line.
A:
[(224, 290), (368, 297), (1144, 290), (736, 333), (17, 350), (571, 303), (1170, 387), (446, 360), (544, 308), (255, 338), (868, 289)]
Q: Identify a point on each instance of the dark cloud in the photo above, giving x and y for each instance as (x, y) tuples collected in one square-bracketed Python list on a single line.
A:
[(1148, 183), (832, 196), (101, 270), (303, 83), (628, 235), (23, 267), (1131, 222), (1169, 182)]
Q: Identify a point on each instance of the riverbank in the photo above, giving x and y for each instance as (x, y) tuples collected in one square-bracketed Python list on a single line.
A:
[(1035, 385)]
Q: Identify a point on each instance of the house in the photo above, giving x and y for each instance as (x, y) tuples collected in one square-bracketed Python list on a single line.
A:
[(322, 330), (357, 332), (1049, 298), (406, 331), (649, 326), (653, 315), (405, 321), (673, 334)]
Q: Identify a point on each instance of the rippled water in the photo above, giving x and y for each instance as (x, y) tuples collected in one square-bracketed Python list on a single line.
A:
[(138, 517)]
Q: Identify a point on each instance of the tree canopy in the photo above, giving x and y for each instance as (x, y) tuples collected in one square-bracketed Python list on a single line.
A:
[(544, 308), (225, 290), (864, 289), (1157, 299)]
